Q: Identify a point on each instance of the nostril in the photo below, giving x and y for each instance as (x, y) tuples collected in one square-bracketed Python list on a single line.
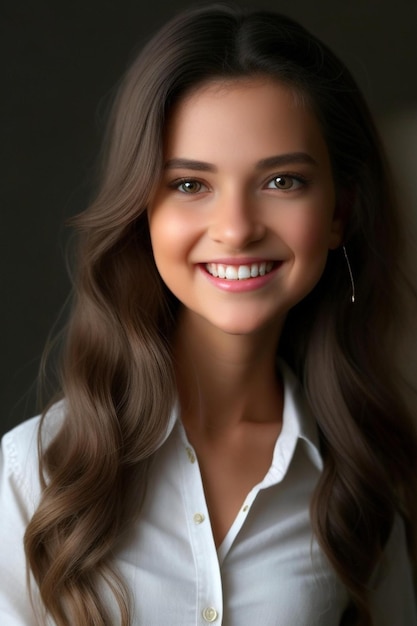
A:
[(237, 233)]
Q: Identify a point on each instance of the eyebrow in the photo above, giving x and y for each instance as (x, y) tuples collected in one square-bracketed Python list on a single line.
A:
[(189, 164), (272, 161), (286, 159)]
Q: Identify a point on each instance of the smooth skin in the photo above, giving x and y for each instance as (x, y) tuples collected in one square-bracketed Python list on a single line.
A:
[(241, 225)]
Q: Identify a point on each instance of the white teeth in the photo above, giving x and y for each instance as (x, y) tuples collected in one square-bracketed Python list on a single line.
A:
[(239, 272), (243, 272), (231, 272)]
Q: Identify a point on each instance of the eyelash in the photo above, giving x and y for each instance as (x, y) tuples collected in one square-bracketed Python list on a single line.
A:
[(302, 181)]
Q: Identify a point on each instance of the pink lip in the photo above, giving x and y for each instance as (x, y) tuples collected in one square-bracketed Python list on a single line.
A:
[(239, 286), (238, 260)]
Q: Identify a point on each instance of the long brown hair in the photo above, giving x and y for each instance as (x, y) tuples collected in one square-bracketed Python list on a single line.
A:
[(117, 374)]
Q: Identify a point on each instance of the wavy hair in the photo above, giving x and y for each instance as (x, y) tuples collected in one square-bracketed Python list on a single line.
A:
[(117, 373)]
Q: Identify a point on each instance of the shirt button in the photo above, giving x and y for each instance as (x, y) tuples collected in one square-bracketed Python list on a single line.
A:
[(198, 518), (210, 614), (191, 455)]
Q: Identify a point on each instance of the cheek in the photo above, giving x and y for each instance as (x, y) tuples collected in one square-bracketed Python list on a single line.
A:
[(165, 230), (173, 235), (309, 227), (309, 236)]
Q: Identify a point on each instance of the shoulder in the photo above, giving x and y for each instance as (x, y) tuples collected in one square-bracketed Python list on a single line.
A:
[(19, 473), (20, 493)]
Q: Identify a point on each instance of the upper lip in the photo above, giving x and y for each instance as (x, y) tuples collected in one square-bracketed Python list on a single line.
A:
[(241, 260)]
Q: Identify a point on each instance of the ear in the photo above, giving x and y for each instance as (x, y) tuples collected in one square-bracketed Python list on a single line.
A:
[(344, 204)]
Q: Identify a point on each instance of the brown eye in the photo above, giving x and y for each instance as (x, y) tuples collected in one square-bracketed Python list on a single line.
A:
[(286, 182), (283, 182), (189, 186)]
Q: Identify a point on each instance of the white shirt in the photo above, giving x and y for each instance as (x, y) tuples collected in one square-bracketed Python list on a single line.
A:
[(268, 571)]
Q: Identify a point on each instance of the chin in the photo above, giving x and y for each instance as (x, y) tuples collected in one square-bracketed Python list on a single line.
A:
[(247, 326)]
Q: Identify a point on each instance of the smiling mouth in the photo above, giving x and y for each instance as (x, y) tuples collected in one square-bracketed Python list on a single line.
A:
[(240, 272)]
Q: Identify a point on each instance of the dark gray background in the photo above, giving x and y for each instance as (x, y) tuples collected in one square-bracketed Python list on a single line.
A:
[(60, 59)]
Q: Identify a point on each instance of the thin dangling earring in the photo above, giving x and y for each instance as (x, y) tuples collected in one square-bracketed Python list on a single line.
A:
[(350, 274)]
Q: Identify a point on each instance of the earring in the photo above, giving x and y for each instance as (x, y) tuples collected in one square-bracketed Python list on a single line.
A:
[(350, 274)]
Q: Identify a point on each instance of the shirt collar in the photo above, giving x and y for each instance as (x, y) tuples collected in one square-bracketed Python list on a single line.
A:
[(173, 419), (297, 423)]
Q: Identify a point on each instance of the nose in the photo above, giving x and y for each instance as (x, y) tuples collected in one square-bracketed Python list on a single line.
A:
[(236, 222)]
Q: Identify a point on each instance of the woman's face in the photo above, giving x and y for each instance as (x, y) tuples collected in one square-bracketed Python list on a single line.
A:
[(244, 214)]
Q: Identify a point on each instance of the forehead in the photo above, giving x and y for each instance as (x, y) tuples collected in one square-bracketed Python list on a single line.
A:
[(221, 86), (251, 115)]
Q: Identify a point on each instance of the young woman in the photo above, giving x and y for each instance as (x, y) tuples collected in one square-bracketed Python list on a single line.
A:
[(231, 446)]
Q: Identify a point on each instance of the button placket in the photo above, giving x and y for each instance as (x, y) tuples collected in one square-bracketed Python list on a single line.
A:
[(209, 595)]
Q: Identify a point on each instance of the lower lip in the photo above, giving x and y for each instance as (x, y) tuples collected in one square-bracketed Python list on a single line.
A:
[(240, 286)]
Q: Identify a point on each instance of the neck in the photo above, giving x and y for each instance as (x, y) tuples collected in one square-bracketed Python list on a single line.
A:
[(223, 379)]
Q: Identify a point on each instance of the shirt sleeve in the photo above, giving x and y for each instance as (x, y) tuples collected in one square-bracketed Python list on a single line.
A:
[(18, 476), (393, 599)]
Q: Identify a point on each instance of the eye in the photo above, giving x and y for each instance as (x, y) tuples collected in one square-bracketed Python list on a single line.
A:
[(189, 186), (285, 182)]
